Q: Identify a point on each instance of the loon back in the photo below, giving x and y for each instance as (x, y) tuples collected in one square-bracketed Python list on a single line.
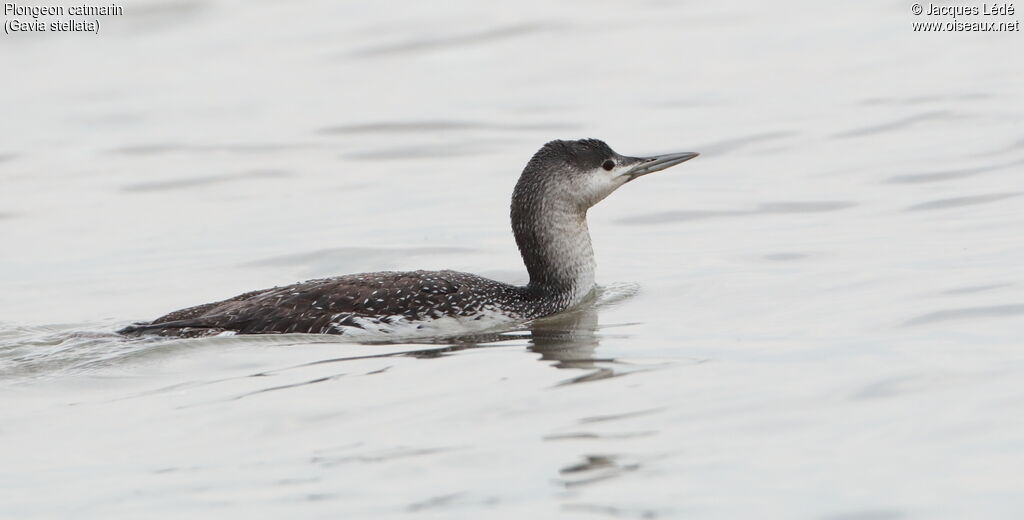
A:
[(549, 208), (380, 302)]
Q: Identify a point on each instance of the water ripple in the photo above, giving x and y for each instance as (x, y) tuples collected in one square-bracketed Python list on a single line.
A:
[(416, 127), (946, 175), (897, 124), (957, 202), (429, 44), (773, 208), (728, 145), (968, 313), (240, 148), (176, 184)]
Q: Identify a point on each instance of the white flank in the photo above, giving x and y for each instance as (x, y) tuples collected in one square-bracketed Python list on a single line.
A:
[(399, 326)]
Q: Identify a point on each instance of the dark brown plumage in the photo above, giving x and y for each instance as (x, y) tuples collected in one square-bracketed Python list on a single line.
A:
[(329, 305)]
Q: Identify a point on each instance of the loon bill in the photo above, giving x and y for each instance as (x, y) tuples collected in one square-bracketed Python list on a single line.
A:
[(549, 208)]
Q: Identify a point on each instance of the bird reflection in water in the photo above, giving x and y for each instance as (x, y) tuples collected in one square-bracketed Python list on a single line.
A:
[(569, 339)]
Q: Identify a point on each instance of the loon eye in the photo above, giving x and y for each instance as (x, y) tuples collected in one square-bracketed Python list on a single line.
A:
[(608, 165)]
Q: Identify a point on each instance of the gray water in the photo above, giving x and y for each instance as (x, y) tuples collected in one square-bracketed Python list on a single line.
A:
[(819, 318)]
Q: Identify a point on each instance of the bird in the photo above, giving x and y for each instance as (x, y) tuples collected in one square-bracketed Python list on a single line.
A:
[(549, 207)]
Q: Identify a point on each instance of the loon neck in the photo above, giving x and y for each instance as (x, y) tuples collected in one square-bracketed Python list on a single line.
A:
[(555, 244)]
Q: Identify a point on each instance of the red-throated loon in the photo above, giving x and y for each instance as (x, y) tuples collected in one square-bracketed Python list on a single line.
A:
[(549, 209)]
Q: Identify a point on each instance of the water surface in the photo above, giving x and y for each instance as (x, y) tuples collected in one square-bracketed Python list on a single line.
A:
[(820, 318)]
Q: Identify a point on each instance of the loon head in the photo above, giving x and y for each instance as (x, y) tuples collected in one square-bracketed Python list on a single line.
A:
[(579, 174)]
